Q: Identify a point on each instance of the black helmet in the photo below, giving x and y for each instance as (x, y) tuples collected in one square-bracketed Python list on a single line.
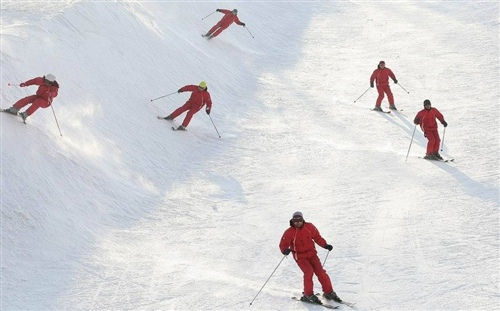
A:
[(235, 11), (427, 102)]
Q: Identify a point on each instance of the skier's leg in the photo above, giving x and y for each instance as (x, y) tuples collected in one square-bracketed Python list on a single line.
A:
[(430, 142), (323, 277), (211, 31), (24, 101), (180, 110), (221, 29), (37, 103), (390, 97), (308, 271), (380, 90), (437, 142), (189, 115)]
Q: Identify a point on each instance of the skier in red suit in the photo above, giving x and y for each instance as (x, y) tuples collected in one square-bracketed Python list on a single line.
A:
[(382, 74), (199, 98), (427, 120), (47, 91), (226, 21), (299, 239)]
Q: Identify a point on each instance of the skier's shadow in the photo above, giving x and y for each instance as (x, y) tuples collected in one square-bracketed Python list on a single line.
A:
[(471, 187), (407, 127)]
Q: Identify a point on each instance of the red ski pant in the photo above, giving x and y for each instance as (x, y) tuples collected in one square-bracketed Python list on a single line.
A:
[(36, 101), (433, 141), (387, 90), (311, 265), (191, 110), (217, 29)]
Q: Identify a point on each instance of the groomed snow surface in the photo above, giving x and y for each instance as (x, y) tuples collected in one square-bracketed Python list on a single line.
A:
[(122, 213)]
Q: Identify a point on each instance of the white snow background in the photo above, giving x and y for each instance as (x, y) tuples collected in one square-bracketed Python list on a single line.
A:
[(122, 213)]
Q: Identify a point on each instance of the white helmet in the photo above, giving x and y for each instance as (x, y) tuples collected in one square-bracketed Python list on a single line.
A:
[(50, 77)]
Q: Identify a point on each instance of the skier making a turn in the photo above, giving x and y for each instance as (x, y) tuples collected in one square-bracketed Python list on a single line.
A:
[(229, 18)]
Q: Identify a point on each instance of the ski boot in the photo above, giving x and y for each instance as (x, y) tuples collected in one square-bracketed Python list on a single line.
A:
[(311, 299), (12, 110), (438, 156), (332, 296), (168, 118), (393, 107), (181, 128), (430, 157), (23, 115), (377, 108)]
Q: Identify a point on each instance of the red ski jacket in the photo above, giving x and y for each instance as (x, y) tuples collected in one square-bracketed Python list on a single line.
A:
[(301, 240), (382, 76), (427, 119), (228, 18), (198, 97), (45, 90)]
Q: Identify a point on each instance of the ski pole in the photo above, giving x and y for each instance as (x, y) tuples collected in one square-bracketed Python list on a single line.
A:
[(442, 142), (208, 15), (267, 279), (326, 258), (214, 126), (163, 96), (362, 94), (53, 112), (248, 31), (402, 87), (9, 84), (410, 142)]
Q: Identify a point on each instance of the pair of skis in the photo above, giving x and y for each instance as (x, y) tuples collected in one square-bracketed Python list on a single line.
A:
[(17, 114), (173, 128), (328, 306)]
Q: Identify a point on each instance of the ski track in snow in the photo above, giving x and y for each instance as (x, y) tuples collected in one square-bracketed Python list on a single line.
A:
[(124, 213)]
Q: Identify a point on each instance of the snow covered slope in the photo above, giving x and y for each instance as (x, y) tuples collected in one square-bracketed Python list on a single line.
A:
[(123, 213)]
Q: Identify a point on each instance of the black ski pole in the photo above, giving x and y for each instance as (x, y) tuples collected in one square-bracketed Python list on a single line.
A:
[(248, 31), (214, 126), (402, 87), (442, 142), (56, 120), (163, 96), (267, 280), (326, 258), (362, 94), (411, 142), (208, 15)]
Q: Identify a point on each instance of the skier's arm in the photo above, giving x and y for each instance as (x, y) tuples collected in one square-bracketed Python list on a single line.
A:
[(208, 102), (34, 81), (189, 88), (372, 77), (317, 237), (440, 117), (393, 77), (285, 242), (237, 21), (224, 11)]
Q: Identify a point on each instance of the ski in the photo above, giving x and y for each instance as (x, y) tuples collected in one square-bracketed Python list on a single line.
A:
[(444, 160), (381, 111), (6, 110), (318, 304), (349, 304)]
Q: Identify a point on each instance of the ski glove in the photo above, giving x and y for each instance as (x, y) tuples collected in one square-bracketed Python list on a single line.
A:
[(371, 84), (207, 111), (22, 84), (328, 247), (444, 123), (286, 251), (243, 24), (395, 81), (218, 10), (416, 121), (179, 91)]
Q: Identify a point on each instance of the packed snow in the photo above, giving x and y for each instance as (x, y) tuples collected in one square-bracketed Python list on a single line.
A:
[(122, 213)]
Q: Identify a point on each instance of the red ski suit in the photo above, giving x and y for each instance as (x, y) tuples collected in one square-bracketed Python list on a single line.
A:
[(198, 99), (301, 242), (44, 95), (225, 22), (427, 120), (382, 77)]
